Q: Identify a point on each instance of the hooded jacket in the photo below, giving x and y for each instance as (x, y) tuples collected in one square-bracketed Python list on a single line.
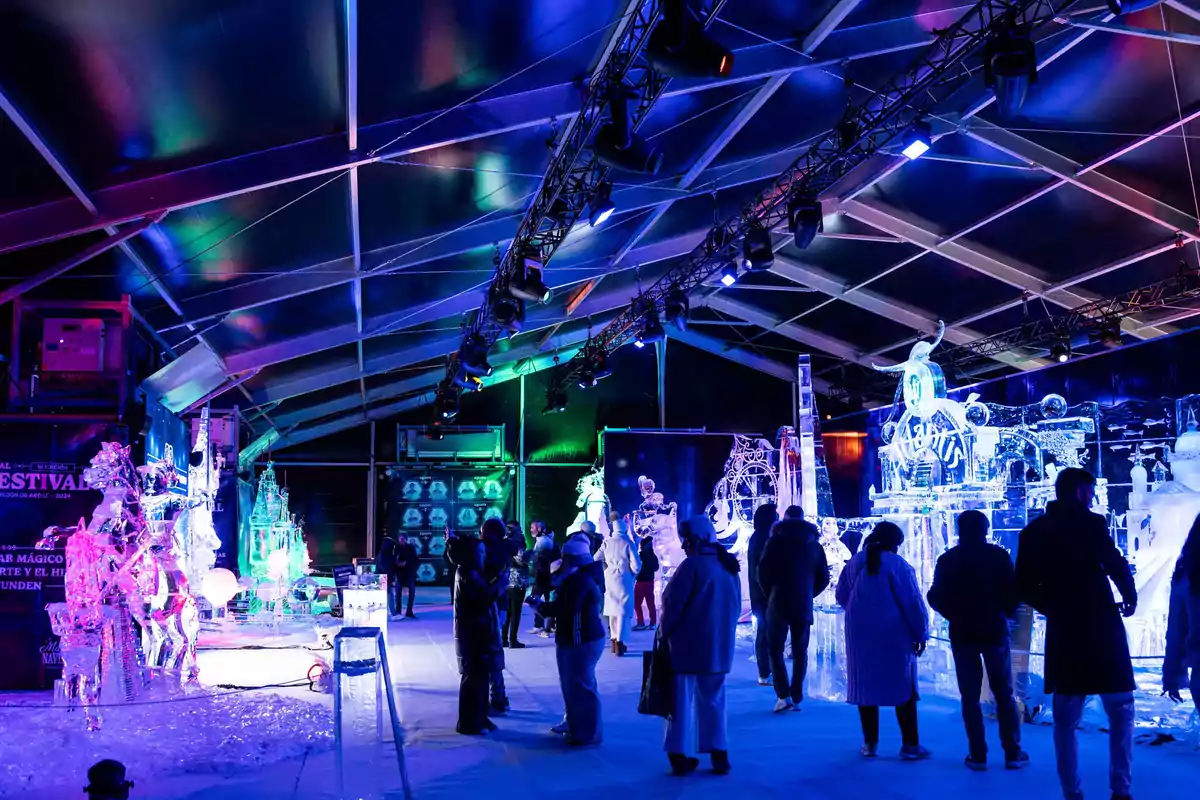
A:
[(793, 570), (576, 604), (1065, 559), (1183, 632)]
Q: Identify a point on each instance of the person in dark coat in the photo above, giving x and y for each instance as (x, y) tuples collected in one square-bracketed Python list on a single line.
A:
[(852, 538), (975, 590), (406, 573), (1065, 559), (1183, 623), (793, 512), (643, 587), (518, 586), (578, 639), (545, 553), (385, 564), (701, 606), (765, 516), (498, 553), (476, 634), (792, 571)]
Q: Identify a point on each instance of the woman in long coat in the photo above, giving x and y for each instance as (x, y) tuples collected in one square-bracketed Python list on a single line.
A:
[(887, 625), (621, 566), (1183, 623)]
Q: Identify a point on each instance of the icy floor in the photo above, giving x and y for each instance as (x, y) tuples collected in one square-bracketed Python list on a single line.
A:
[(811, 755)]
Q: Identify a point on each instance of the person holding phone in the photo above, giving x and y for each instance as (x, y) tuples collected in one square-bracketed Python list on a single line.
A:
[(887, 626)]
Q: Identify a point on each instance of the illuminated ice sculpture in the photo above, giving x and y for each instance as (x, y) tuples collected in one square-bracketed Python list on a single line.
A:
[(275, 555), (593, 503)]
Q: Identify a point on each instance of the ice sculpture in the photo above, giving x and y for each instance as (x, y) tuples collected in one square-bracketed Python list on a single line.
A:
[(593, 503), (273, 529), (123, 567), (362, 685), (201, 542), (657, 518)]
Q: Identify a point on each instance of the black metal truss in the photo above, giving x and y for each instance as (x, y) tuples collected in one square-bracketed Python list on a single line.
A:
[(934, 77), (574, 172), (1093, 318)]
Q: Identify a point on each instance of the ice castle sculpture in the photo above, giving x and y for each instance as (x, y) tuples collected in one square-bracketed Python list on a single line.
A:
[(275, 551)]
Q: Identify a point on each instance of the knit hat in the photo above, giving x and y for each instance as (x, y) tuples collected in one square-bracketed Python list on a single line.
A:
[(107, 778), (702, 528), (578, 548)]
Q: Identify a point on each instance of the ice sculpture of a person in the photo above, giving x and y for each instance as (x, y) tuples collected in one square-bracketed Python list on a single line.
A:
[(836, 555), (593, 504), (655, 517)]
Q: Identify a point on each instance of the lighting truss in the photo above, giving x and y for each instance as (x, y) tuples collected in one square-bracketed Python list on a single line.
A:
[(1093, 317), (939, 72), (574, 173)]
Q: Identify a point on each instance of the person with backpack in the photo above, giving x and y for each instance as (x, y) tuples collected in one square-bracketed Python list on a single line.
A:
[(975, 590)]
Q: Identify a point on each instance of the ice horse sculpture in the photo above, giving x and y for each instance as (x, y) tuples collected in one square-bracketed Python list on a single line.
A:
[(122, 568)]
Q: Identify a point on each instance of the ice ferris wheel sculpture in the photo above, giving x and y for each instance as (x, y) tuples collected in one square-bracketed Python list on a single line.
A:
[(750, 480)]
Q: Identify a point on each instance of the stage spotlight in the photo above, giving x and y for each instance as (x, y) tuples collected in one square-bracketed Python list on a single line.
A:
[(806, 220), (729, 274), (757, 249), (652, 330), (676, 308), (469, 383), (527, 283), (509, 313), (434, 433), (602, 204), (600, 367), (1009, 67), (917, 140), (587, 378), (556, 402), (638, 343), (1110, 335), (1061, 353), (617, 146), (679, 47), (473, 357), (446, 406)]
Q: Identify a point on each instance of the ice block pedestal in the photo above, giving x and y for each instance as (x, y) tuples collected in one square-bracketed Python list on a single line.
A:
[(362, 687), (366, 603)]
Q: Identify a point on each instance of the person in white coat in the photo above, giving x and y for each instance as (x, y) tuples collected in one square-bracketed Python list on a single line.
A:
[(621, 565)]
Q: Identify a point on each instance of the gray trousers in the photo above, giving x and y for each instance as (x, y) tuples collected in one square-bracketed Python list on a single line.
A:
[(699, 708), (1068, 710), (581, 695)]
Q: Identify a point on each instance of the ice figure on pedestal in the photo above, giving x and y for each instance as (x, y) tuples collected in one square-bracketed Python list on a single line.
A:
[(1158, 521), (836, 555), (655, 517), (273, 529), (593, 503), (201, 542), (122, 567)]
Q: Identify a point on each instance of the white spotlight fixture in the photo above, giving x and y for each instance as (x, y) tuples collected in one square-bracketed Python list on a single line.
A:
[(917, 141), (729, 274), (602, 204)]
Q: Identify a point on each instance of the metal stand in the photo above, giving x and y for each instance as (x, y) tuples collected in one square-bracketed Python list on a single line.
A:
[(360, 669)]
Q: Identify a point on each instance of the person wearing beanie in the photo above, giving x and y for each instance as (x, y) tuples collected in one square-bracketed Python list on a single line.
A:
[(578, 640), (106, 781), (701, 606), (621, 566)]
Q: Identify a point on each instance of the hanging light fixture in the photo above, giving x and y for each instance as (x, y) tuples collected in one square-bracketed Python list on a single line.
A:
[(617, 146), (1009, 67), (527, 283), (757, 249), (729, 274), (602, 206), (679, 47), (918, 140)]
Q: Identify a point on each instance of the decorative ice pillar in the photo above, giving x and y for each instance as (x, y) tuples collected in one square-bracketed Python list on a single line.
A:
[(362, 684)]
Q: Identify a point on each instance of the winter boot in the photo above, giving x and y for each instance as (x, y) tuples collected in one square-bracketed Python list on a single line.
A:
[(720, 762), (682, 765)]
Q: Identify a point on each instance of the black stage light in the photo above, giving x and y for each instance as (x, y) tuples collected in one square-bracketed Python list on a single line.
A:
[(434, 433), (509, 312), (601, 367), (446, 405), (679, 47), (617, 146), (729, 274), (556, 402), (602, 206), (757, 249), (652, 330), (474, 357), (1109, 334), (806, 220), (676, 308), (1061, 353), (918, 140), (527, 283), (1009, 67), (587, 378)]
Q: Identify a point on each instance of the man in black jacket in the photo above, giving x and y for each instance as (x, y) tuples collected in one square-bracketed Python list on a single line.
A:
[(1065, 560), (973, 588), (476, 633), (405, 574), (498, 553), (765, 516), (792, 571)]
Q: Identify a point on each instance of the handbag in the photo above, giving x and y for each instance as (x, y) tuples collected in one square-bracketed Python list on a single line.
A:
[(658, 682)]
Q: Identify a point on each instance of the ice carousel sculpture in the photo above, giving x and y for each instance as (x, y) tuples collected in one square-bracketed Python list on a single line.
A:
[(124, 573)]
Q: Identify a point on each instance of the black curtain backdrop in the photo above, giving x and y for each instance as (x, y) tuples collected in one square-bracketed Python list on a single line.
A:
[(685, 467)]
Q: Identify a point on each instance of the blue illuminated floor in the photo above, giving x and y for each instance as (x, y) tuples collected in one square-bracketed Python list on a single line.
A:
[(812, 755)]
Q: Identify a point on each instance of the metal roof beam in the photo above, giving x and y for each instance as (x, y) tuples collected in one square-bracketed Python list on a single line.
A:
[(327, 154), (1086, 178), (356, 290), (738, 355), (980, 259), (1129, 30), (828, 24), (797, 333), (1185, 9)]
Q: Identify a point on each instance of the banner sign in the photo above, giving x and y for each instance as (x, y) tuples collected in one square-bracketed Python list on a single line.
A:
[(41, 484), (423, 501)]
